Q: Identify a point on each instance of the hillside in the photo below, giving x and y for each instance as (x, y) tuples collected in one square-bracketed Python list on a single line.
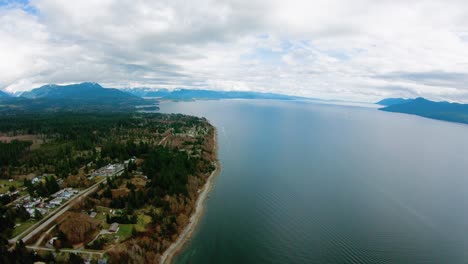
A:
[(147, 92), (83, 91), (393, 101), (453, 112), (83, 97), (4, 94)]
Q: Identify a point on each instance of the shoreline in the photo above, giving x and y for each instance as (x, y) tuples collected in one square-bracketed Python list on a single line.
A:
[(186, 234)]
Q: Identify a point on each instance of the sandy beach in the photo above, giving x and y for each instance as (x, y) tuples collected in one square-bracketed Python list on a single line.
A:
[(175, 247)]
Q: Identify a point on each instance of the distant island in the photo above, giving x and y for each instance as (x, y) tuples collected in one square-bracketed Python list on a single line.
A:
[(452, 112)]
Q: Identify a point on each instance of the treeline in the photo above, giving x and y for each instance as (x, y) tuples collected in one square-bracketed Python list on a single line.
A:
[(11, 152), (80, 127), (59, 158), (122, 219), (70, 139), (42, 189), (116, 150), (169, 169), (135, 199), (7, 221)]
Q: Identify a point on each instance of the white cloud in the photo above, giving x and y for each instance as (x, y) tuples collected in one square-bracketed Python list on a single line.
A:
[(357, 50)]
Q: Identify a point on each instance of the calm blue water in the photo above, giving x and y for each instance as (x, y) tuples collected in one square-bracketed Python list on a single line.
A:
[(314, 183)]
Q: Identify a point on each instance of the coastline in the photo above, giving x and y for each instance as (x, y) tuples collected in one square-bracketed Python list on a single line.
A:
[(186, 234)]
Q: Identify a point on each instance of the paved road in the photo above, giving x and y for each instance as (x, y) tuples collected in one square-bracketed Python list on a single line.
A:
[(35, 229), (75, 251)]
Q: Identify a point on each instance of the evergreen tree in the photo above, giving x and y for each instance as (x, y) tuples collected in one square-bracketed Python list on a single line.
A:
[(75, 259), (22, 213), (37, 214)]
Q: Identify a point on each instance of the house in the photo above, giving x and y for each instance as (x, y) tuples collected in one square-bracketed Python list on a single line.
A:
[(42, 211), (114, 227), (56, 202), (132, 159), (60, 182), (57, 194), (67, 194), (30, 211), (110, 170), (51, 242), (32, 204), (36, 180)]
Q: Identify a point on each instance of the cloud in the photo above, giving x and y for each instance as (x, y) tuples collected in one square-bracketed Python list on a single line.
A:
[(361, 50)]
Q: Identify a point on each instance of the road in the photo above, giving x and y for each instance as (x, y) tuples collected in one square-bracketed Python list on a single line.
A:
[(162, 140), (39, 241), (75, 251), (35, 229)]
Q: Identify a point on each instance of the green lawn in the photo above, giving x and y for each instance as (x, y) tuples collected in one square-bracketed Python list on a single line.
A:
[(102, 217), (17, 184), (143, 220), (22, 227), (125, 231)]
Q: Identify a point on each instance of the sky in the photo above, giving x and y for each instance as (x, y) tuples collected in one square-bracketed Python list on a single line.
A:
[(360, 50)]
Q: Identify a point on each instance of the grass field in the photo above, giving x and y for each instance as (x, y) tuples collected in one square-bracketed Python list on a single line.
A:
[(101, 215), (143, 220), (125, 231), (6, 185), (23, 227)]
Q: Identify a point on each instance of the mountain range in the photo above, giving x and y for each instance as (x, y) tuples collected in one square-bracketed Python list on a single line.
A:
[(75, 97), (4, 94), (82, 91), (89, 96), (393, 101), (188, 94), (452, 112)]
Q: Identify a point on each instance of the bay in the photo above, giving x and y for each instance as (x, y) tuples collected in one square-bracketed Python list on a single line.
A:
[(304, 182)]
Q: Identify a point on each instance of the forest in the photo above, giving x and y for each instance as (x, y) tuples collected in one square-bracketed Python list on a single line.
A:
[(11, 152), (69, 141)]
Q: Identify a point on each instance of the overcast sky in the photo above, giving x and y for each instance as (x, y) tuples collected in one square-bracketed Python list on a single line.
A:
[(360, 50)]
